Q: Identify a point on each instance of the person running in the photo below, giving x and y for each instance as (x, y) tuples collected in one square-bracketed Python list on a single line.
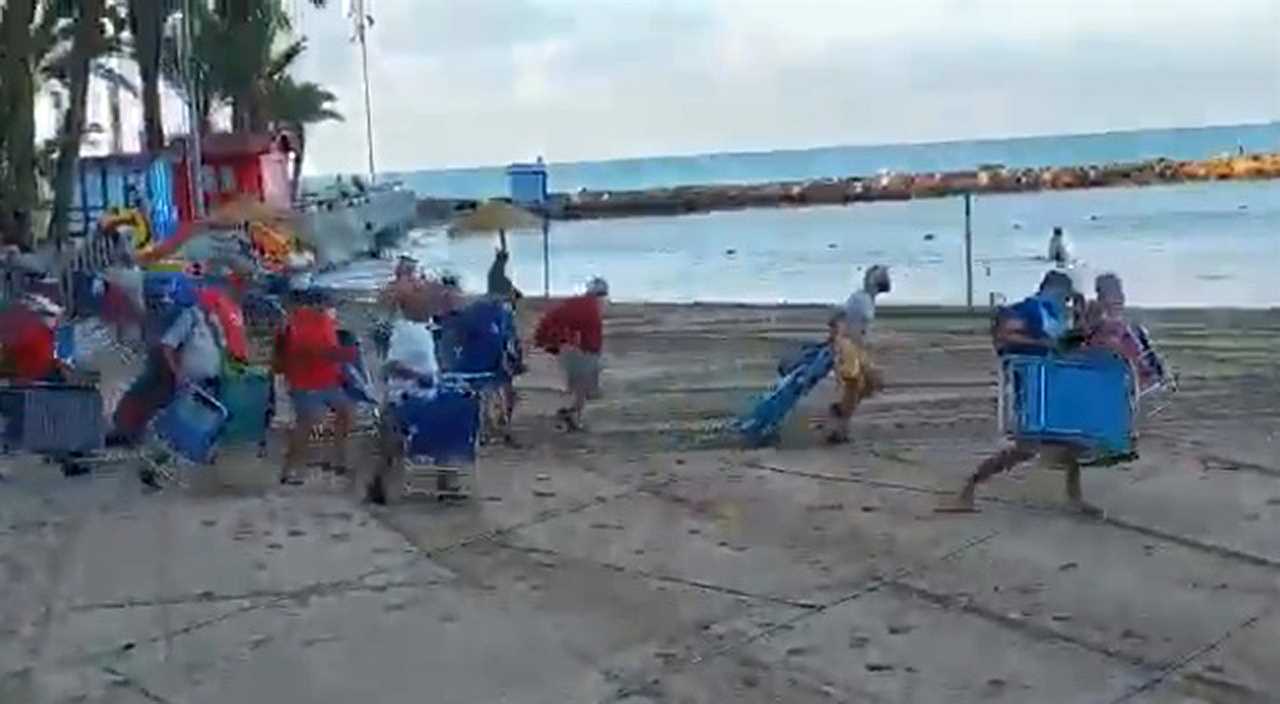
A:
[(858, 378), (1038, 325), (573, 330), (500, 285), (1107, 327), (307, 353), (192, 347), (853, 373)]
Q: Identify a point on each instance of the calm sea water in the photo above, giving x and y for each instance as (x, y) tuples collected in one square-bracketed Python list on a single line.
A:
[(624, 174), (1187, 245)]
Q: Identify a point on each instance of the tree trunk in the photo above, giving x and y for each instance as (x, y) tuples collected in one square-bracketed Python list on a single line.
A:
[(88, 43), (237, 13), (17, 81), (301, 152), (146, 21)]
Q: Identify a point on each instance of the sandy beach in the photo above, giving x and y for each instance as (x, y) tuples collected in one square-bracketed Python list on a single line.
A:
[(653, 560)]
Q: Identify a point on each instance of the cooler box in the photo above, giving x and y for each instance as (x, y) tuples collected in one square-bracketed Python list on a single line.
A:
[(52, 418), (1085, 400), (248, 397), (443, 427), (192, 424)]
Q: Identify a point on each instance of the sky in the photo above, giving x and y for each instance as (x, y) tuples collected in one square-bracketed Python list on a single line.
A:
[(481, 82)]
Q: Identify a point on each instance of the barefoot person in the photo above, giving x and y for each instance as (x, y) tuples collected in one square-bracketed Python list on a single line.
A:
[(310, 358), (1035, 326), (574, 331), (857, 376)]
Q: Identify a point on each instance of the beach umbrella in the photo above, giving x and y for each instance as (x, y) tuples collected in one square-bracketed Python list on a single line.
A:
[(494, 216)]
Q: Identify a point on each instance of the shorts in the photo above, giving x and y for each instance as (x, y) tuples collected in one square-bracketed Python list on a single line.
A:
[(581, 371), (312, 404)]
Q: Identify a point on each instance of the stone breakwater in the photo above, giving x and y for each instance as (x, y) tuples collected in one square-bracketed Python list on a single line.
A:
[(903, 186)]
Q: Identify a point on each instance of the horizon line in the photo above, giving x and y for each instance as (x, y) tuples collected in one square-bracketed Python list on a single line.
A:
[(823, 147)]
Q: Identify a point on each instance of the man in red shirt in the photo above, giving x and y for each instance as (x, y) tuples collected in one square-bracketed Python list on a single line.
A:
[(307, 353), (574, 331)]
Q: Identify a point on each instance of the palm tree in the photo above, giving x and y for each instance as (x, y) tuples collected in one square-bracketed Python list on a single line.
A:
[(292, 106), (91, 39), (29, 30)]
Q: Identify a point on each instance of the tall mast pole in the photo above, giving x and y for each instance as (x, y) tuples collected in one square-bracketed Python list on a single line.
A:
[(194, 161), (362, 24)]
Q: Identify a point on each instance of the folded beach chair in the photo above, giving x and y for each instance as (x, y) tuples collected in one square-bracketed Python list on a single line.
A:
[(798, 376), (441, 433)]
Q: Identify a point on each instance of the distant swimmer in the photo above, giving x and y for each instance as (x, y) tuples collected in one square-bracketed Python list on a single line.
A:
[(1060, 248)]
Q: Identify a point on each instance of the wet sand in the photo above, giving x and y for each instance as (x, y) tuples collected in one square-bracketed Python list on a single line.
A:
[(651, 560)]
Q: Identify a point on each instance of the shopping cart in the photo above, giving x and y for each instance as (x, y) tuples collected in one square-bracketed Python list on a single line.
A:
[(62, 422)]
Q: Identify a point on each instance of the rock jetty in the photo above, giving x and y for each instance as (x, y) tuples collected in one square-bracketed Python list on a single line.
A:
[(992, 178)]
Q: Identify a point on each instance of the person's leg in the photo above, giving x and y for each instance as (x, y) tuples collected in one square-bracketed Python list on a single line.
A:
[(1068, 459), (1002, 461), (842, 411), (387, 480), (344, 417), (572, 363), (307, 409)]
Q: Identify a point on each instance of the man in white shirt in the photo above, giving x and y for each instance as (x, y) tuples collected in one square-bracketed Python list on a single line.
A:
[(860, 308), (854, 323)]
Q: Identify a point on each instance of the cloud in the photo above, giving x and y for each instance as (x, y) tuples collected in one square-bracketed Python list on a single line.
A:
[(491, 81)]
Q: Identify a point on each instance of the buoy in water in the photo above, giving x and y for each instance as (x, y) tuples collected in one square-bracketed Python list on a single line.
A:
[(929, 237), (730, 251)]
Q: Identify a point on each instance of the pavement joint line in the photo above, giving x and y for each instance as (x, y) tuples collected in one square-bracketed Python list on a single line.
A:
[(659, 577), (1035, 630), (861, 588), (1191, 656), (132, 683), (1148, 531), (349, 584), (1240, 464)]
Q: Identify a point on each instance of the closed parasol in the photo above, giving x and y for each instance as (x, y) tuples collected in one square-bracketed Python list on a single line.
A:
[(494, 216)]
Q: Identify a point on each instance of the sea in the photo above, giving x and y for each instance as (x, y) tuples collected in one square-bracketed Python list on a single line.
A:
[(1194, 245)]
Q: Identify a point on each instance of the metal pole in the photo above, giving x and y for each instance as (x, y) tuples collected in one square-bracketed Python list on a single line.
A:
[(968, 249), (368, 104), (546, 258), (194, 160)]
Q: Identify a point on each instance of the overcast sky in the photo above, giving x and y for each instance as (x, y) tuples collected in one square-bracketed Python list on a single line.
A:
[(472, 82)]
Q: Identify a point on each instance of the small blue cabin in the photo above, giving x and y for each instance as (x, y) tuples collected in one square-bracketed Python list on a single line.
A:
[(527, 184)]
